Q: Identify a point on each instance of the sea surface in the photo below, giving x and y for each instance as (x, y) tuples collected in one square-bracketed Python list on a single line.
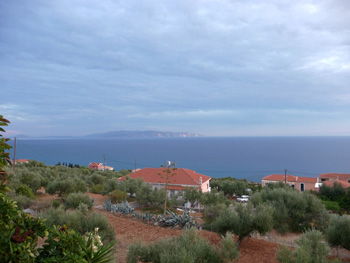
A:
[(251, 158)]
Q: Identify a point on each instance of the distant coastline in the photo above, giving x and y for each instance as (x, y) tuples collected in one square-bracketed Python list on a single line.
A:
[(120, 135)]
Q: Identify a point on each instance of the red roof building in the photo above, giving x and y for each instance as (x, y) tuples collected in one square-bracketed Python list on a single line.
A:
[(20, 161), (99, 166), (297, 182), (331, 178), (181, 179)]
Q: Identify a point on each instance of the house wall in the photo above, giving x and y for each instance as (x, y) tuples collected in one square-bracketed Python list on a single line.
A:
[(206, 186), (297, 185)]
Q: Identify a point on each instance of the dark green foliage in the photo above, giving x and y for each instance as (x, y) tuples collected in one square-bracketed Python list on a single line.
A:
[(332, 193), (118, 196), (338, 232), (18, 232), (130, 185), (80, 221), (148, 196), (192, 195), (186, 248), (109, 186), (96, 189), (211, 213), (65, 187), (56, 203), (336, 194), (311, 249), (63, 246), (244, 220), (25, 190), (213, 198), (75, 199), (230, 187), (23, 202), (331, 205), (293, 211)]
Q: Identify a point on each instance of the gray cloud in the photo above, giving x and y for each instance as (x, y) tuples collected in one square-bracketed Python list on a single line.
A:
[(213, 66)]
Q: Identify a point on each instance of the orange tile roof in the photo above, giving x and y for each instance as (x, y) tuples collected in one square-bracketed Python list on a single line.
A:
[(335, 175), (307, 179), (21, 161), (157, 175), (331, 183), (290, 178), (280, 177)]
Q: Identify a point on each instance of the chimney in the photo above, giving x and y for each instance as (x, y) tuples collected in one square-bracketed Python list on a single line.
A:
[(200, 180)]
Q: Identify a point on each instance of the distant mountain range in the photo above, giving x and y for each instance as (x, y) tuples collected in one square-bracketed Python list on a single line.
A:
[(143, 134), (122, 134)]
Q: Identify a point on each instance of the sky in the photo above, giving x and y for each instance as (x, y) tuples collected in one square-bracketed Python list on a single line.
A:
[(217, 68)]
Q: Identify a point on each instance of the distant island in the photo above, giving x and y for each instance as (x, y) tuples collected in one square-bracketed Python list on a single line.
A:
[(143, 134), (120, 134)]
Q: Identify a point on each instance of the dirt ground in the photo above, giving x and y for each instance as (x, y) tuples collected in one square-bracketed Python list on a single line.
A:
[(129, 230)]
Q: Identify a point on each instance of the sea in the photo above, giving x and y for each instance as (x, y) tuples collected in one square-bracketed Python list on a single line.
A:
[(249, 158)]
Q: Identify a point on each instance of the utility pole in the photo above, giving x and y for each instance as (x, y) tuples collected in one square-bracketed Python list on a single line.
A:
[(104, 163), (285, 176), (14, 155), (135, 164)]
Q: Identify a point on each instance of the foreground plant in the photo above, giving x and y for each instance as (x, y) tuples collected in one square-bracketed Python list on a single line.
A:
[(19, 232), (312, 249), (187, 248)]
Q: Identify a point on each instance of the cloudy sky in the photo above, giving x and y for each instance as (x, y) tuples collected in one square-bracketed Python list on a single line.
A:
[(218, 68)]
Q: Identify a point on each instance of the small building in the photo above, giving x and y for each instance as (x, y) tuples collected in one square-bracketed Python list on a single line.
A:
[(328, 178), (181, 179), (296, 182), (21, 161), (100, 166)]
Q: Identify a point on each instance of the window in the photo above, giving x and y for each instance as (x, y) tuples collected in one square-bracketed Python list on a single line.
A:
[(302, 187)]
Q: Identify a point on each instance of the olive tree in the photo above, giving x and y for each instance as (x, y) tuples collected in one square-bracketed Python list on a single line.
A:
[(244, 220), (293, 210), (338, 232), (310, 249)]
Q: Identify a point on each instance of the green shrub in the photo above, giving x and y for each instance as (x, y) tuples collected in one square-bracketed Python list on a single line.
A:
[(23, 202), (118, 196), (24, 189), (338, 232), (56, 203), (211, 213), (75, 199), (79, 221), (186, 248), (311, 249), (293, 211), (97, 189), (109, 186), (244, 220), (331, 205)]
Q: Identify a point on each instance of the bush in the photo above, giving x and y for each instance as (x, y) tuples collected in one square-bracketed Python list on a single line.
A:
[(97, 189), (80, 221), (293, 211), (23, 202), (311, 249), (244, 220), (118, 196), (186, 248), (331, 205), (56, 203), (75, 199), (211, 213), (25, 190), (338, 232)]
